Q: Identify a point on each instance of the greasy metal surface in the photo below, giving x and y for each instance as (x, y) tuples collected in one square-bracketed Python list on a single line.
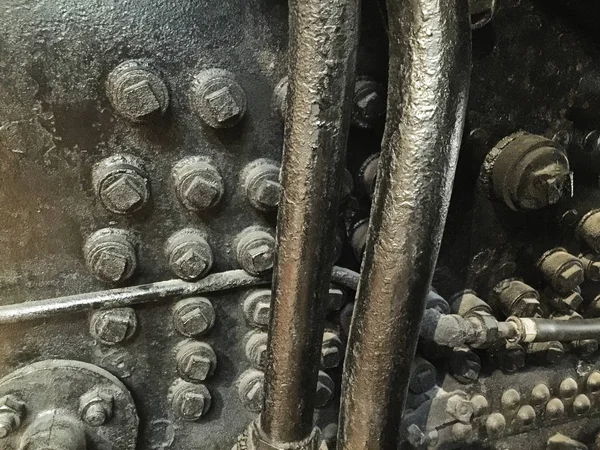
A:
[(430, 64), (322, 55)]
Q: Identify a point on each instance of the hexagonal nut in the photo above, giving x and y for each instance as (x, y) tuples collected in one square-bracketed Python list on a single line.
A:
[(193, 316), (110, 254), (218, 98), (189, 402), (257, 307), (325, 390), (189, 254), (255, 251), (460, 408), (96, 407), (196, 361), (332, 350), (113, 326), (486, 326), (251, 389), (256, 349), (198, 183)]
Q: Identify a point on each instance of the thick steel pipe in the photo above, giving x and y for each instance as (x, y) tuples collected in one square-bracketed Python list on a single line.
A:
[(430, 62), (322, 55)]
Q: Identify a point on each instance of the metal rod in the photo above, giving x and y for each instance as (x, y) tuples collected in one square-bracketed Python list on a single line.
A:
[(430, 62), (146, 293), (322, 56)]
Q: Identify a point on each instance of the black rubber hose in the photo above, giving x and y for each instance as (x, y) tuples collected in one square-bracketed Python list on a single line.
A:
[(566, 330)]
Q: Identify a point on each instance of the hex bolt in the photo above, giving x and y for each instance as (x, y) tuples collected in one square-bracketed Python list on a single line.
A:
[(113, 326), (460, 408), (566, 301), (121, 183), (12, 413), (251, 389), (546, 352), (588, 230), (198, 184), (528, 172), (261, 184), (189, 401), (189, 254), (256, 349), (517, 298), (422, 376), (512, 357), (255, 251), (280, 97), (331, 351), (482, 12), (368, 174), (369, 107), (110, 254), (218, 98), (591, 266), (193, 316), (257, 307), (325, 390), (196, 361), (96, 407), (467, 302), (358, 239), (136, 90), (561, 269), (464, 365)]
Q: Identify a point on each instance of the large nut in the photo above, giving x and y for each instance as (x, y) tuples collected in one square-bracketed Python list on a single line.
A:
[(257, 307), (198, 184), (12, 413), (189, 401), (196, 361), (136, 90), (113, 326), (261, 184), (110, 254), (218, 98), (193, 316), (121, 183), (332, 350), (96, 407), (256, 251), (189, 254), (561, 269)]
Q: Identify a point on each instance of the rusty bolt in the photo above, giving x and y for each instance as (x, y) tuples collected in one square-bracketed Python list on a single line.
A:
[(256, 251), (464, 365), (256, 349), (331, 351), (12, 413), (460, 408), (121, 183), (257, 307), (251, 389), (325, 390), (369, 104), (189, 401), (193, 316), (198, 184), (136, 90), (189, 254), (113, 326), (96, 407), (261, 184), (517, 298), (218, 98), (110, 254), (561, 269), (196, 361)]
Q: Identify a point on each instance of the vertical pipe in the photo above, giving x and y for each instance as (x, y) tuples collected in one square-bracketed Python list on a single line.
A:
[(428, 86), (323, 46)]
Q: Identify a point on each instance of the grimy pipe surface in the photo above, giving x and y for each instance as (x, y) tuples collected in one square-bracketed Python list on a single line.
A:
[(322, 57), (430, 62)]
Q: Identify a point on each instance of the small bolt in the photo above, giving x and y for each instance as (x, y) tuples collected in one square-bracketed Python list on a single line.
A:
[(261, 184), (561, 269), (136, 90), (480, 405), (251, 389), (218, 98), (113, 326), (110, 255), (189, 254), (369, 104), (331, 350), (193, 316), (196, 361), (464, 365), (526, 415), (546, 352), (325, 390), (593, 381), (96, 407), (256, 251), (189, 401), (517, 298), (256, 349), (257, 307), (462, 431), (198, 184)]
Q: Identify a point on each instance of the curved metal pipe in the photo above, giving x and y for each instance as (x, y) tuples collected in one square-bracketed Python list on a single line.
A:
[(430, 62), (323, 46)]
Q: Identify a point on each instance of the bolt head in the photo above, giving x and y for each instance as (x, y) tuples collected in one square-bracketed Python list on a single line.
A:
[(197, 367), (513, 360), (223, 105), (96, 407), (570, 277), (251, 389), (123, 193), (335, 299), (323, 395), (593, 271), (369, 104), (192, 405), (218, 98), (268, 193), (201, 192), (262, 313), (330, 357), (193, 316), (261, 257), (95, 416), (113, 326), (190, 264), (139, 100)]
